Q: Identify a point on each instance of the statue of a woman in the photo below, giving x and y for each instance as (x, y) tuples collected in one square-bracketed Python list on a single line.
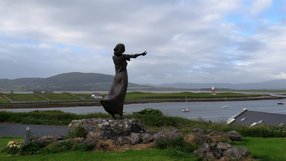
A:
[(114, 101)]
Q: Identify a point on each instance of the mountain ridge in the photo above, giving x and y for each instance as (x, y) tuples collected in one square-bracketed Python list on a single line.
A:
[(73, 81), (77, 81)]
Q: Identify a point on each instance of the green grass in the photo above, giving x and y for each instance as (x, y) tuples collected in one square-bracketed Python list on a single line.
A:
[(266, 149), (183, 95), (84, 96), (3, 100), (45, 117), (25, 97), (60, 97), (131, 96), (130, 155), (263, 149)]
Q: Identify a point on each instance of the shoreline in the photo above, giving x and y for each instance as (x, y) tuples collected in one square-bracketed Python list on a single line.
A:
[(97, 103)]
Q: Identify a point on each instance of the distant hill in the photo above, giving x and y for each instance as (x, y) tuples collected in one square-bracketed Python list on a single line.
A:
[(268, 85), (74, 81), (77, 81)]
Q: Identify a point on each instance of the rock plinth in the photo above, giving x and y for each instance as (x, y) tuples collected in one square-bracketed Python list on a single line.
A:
[(108, 128), (113, 134), (125, 134)]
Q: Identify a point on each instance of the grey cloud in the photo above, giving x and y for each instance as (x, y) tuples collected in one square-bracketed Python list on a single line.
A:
[(186, 40)]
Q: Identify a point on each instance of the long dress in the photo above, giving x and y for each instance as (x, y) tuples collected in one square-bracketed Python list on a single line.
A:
[(114, 101)]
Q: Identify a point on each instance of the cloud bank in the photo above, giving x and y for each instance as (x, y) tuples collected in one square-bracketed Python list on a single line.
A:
[(187, 40)]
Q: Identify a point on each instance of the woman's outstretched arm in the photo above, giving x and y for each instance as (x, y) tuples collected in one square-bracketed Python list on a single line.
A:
[(141, 54), (128, 56)]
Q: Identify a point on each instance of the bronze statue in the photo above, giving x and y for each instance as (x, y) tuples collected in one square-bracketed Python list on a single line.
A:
[(114, 101)]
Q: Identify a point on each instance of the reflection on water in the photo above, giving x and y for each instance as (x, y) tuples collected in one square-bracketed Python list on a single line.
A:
[(214, 111)]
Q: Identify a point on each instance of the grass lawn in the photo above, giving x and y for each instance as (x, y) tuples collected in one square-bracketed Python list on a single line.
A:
[(61, 97), (263, 149), (183, 95), (3, 100), (25, 97), (84, 96), (131, 155), (266, 149), (131, 96)]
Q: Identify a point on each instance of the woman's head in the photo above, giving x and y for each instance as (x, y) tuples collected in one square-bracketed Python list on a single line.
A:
[(119, 49)]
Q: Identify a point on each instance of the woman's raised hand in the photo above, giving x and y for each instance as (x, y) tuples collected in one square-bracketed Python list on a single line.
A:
[(144, 53)]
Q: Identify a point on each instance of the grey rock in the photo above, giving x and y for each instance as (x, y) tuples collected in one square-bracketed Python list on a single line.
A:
[(108, 128), (167, 134), (147, 138), (234, 135), (89, 141), (201, 152), (122, 141), (236, 153), (44, 140), (206, 146), (201, 139), (216, 152), (219, 148), (135, 138), (223, 146)]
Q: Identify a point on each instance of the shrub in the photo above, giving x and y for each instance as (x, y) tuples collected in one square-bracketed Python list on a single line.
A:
[(263, 131), (32, 148), (150, 111), (84, 147), (177, 146), (153, 117), (78, 131), (56, 147), (13, 147)]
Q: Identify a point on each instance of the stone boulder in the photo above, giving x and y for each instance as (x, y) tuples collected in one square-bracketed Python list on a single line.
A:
[(167, 134), (236, 153), (118, 134), (221, 151), (108, 128), (45, 140), (234, 135), (215, 145)]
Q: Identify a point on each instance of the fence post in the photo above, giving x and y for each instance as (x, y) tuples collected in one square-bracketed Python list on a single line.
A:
[(27, 136)]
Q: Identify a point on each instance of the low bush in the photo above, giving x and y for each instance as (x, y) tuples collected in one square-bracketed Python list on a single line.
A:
[(32, 148), (152, 117), (177, 147), (150, 111), (263, 131), (13, 147), (78, 131)]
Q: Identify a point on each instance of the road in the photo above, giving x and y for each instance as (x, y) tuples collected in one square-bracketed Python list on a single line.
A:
[(18, 130)]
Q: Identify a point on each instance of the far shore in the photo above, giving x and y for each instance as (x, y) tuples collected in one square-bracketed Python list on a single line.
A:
[(139, 101)]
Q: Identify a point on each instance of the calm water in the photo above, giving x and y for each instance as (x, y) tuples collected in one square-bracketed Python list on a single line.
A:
[(213, 111)]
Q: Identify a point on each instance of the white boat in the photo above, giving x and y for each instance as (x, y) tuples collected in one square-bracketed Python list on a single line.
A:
[(224, 106), (187, 106), (185, 110)]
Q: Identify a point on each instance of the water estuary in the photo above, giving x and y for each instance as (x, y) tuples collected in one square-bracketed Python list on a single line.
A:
[(213, 111)]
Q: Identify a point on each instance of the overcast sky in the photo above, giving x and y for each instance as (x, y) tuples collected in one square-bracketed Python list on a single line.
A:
[(230, 41)]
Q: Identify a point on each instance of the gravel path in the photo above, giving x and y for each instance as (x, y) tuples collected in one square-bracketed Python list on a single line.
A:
[(10, 129)]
